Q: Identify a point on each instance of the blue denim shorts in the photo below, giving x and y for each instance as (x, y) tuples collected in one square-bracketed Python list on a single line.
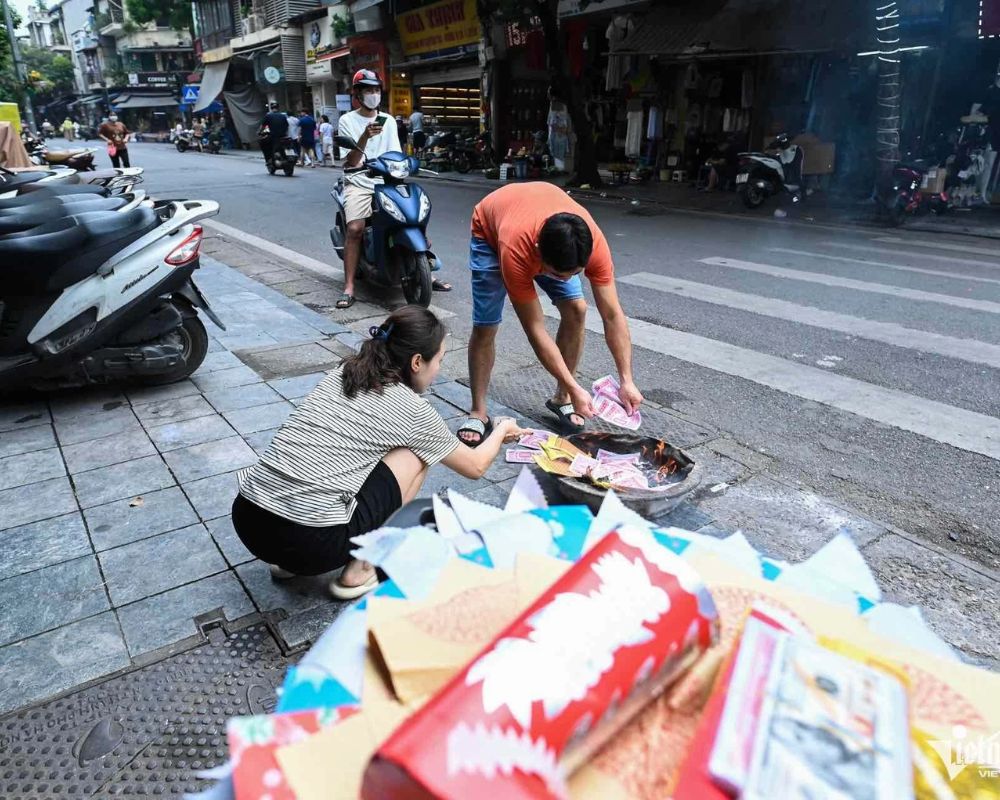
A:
[(489, 292)]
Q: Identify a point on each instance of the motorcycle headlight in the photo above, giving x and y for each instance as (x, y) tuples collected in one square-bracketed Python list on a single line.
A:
[(389, 207), (425, 207), (398, 169)]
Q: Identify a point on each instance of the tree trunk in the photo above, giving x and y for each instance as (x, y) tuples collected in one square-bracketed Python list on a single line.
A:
[(889, 92), (586, 153)]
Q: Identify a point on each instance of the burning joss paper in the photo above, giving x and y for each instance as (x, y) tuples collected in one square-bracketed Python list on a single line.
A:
[(582, 465), (521, 456), (618, 458), (558, 449), (554, 467)]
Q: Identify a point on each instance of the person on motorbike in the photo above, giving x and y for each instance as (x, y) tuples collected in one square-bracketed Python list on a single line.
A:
[(273, 128)]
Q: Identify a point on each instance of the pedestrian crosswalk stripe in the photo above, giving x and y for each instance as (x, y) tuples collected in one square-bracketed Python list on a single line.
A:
[(958, 248), (957, 427), (867, 248), (886, 332), (886, 264), (851, 283)]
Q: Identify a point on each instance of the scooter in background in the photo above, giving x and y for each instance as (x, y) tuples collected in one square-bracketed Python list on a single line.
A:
[(762, 175), (394, 249), (905, 196)]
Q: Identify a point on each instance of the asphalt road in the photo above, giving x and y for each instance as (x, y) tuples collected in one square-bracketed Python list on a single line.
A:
[(865, 363)]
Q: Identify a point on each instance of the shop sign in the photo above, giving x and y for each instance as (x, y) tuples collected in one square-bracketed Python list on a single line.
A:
[(318, 36), (159, 80), (573, 8), (400, 97), (319, 70), (367, 52), (189, 94), (517, 35), (989, 19), (440, 26)]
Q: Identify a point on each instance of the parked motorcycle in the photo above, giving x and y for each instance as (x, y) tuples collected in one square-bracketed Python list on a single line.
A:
[(12, 182), (283, 157), (764, 174), (394, 250), (211, 142), (80, 159), (98, 291), (473, 153), (905, 196), (115, 180), (184, 140)]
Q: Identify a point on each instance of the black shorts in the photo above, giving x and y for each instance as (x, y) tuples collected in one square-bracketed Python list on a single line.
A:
[(308, 550), (419, 139)]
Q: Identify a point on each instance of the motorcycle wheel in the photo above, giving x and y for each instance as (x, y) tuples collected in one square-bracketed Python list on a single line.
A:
[(416, 280), (896, 213), (194, 339), (461, 163), (289, 169), (271, 169), (181, 146), (752, 195)]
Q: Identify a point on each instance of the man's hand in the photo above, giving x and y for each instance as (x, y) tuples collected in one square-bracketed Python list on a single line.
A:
[(373, 130), (583, 403), (630, 396)]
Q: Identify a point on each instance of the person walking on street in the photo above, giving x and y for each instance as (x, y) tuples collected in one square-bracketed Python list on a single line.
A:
[(76, 129), (326, 140), (307, 136), (533, 234), (67, 129), (116, 135), (273, 128), (198, 133), (417, 135), (293, 134), (354, 451), (48, 129)]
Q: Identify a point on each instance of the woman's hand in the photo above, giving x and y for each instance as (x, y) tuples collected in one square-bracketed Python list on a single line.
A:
[(508, 428)]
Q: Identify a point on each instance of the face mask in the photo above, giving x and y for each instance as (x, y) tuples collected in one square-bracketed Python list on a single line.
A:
[(113, 119), (371, 101)]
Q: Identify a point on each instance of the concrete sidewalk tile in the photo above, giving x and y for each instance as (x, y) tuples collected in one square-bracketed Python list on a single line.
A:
[(290, 361), (135, 518), (684, 515), (495, 494), (444, 408), (48, 598), (26, 440), (84, 402), (259, 440), (171, 391), (957, 602), (353, 339), (162, 562), (169, 617), (294, 388), (45, 665), (238, 397), (307, 626), (229, 543), (212, 497), (20, 416), (107, 451), (31, 468), (176, 435), (440, 477), (460, 396), (260, 418), (222, 359), (210, 458), (224, 378), (36, 501), (338, 348), (783, 522), (116, 482), (177, 409), (41, 544), (295, 595), (96, 426), (252, 337)]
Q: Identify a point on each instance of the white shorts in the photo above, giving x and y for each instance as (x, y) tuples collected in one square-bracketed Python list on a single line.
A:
[(357, 202)]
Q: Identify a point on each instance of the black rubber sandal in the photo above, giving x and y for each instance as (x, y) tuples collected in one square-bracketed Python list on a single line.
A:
[(476, 426), (345, 301), (563, 414), (440, 286)]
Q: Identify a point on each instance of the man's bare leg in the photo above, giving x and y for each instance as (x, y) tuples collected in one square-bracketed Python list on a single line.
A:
[(482, 357), (569, 339), (352, 253)]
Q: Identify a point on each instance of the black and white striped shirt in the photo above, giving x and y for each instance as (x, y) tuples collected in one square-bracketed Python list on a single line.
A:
[(320, 458)]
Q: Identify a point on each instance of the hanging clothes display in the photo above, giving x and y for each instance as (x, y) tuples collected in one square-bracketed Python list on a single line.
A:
[(654, 128), (633, 133), (618, 30)]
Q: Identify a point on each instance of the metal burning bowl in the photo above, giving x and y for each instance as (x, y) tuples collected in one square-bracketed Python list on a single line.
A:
[(664, 465)]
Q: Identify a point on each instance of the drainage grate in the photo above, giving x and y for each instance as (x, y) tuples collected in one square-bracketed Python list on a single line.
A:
[(144, 733)]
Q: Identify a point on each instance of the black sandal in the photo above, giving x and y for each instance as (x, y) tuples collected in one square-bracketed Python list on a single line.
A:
[(345, 301), (440, 286), (563, 414), (476, 426)]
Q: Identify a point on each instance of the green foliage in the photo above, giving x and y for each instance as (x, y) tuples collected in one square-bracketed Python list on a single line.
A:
[(341, 25), (49, 74), (178, 13)]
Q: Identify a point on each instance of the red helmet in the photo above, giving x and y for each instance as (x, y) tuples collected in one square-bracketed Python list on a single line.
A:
[(366, 77)]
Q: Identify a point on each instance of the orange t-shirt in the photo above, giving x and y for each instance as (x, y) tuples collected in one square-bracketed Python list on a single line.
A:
[(509, 221)]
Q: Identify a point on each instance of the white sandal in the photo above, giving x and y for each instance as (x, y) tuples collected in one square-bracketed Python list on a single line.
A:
[(341, 592)]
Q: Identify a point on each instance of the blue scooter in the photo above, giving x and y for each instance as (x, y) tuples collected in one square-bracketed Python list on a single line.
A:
[(395, 250)]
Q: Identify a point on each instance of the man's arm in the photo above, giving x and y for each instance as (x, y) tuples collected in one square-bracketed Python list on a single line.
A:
[(619, 341), (533, 322)]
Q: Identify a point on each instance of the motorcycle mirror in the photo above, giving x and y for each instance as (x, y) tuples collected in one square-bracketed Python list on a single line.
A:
[(345, 142)]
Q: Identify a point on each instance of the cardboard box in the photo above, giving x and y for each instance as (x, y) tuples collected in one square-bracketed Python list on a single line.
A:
[(934, 180)]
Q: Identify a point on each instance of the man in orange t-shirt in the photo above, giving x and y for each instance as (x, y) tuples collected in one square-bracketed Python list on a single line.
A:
[(533, 234)]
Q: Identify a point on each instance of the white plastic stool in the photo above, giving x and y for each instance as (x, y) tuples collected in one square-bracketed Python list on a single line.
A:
[(680, 175)]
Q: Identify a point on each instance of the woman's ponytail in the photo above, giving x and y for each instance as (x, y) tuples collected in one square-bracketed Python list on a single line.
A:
[(385, 358)]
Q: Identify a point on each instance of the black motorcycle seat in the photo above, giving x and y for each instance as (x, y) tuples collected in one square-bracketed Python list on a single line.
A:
[(36, 193), (62, 252), (23, 218), (12, 180)]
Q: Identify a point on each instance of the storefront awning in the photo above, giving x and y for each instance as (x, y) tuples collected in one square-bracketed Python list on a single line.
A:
[(211, 83), (145, 101), (90, 100), (361, 5)]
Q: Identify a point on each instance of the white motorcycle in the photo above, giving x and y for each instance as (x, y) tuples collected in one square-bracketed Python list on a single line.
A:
[(764, 174), (98, 289)]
